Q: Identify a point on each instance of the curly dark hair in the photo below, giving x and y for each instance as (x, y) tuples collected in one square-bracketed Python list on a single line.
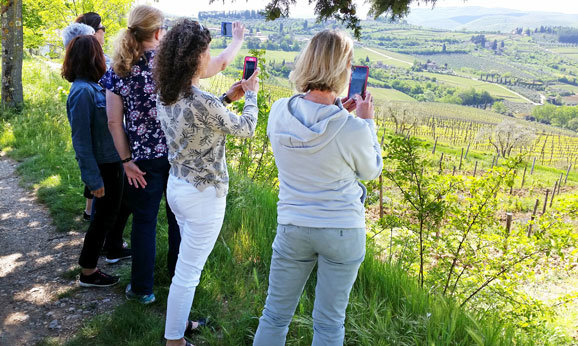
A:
[(177, 59)]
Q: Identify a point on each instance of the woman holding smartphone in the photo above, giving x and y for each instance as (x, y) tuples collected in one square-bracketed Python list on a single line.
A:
[(196, 124), (131, 102), (321, 150)]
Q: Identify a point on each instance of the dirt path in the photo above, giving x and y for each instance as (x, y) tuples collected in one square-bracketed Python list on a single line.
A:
[(39, 298)]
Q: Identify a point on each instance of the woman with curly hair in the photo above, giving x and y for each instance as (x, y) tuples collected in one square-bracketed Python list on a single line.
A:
[(140, 141), (196, 124)]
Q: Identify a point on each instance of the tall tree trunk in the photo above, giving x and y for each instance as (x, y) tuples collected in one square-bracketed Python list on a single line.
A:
[(12, 50)]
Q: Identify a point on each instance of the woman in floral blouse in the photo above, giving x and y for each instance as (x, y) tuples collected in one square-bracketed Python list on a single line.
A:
[(140, 140), (196, 124)]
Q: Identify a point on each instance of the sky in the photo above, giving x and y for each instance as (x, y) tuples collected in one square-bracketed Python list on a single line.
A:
[(304, 10)]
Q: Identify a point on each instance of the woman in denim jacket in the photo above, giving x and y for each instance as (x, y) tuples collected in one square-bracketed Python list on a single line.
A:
[(99, 163)]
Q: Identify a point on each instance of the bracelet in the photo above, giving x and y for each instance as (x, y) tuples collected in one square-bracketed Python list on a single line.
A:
[(128, 159)]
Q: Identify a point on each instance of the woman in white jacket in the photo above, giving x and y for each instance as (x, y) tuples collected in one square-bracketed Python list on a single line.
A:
[(320, 151)]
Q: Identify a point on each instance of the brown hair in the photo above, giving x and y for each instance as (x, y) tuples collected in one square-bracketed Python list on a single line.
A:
[(143, 23), (84, 58), (177, 59), (324, 64), (92, 19)]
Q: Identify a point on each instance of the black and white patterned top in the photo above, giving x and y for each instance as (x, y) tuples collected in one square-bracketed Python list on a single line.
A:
[(195, 128)]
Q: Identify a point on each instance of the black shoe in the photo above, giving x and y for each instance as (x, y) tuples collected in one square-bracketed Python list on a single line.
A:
[(85, 216), (190, 330), (105, 251), (98, 279), (115, 256)]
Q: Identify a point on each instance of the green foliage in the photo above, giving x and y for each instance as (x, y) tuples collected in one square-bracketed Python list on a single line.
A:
[(463, 251), (44, 19), (564, 116)]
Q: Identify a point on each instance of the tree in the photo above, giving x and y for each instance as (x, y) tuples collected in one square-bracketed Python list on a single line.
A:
[(344, 11), (12, 41), (444, 48), (43, 19), (506, 136)]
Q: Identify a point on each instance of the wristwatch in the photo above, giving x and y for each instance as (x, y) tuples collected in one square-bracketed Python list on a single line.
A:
[(225, 99)]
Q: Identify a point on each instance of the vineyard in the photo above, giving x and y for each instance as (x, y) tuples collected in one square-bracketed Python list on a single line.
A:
[(526, 190), (448, 124)]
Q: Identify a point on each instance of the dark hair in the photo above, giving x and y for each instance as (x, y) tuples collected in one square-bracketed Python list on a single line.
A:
[(84, 58), (177, 59), (92, 19)]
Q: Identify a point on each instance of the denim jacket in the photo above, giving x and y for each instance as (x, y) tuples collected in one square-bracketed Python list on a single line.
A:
[(91, 139)]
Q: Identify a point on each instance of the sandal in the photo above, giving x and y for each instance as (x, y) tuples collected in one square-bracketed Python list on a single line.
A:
[(190, 330)]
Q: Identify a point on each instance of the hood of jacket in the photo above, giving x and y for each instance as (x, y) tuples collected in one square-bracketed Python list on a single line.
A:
[(305, 125)]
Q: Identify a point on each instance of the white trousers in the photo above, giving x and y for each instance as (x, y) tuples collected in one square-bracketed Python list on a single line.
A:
[(200, 217)]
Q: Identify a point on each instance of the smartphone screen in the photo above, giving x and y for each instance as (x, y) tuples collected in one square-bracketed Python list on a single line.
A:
[(250, 66), (358, 82), (227, 29)]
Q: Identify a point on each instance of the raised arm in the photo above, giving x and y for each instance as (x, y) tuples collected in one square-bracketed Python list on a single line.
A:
[(221, 61), (215, 115)]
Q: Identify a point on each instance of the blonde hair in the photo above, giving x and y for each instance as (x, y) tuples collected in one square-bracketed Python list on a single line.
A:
[(143, 22), (324, 64)]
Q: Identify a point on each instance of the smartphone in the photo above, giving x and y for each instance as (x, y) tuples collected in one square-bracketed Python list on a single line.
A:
[(249, 67), (358, 82), (227, 29)]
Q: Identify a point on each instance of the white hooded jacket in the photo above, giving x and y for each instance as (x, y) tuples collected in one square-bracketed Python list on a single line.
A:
[(320, 152)]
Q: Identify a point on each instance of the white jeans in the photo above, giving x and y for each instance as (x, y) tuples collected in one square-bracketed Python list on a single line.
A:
[(200, 217)]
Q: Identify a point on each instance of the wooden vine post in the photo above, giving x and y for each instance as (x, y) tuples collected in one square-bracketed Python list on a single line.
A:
[(533, 217), (545, 201)]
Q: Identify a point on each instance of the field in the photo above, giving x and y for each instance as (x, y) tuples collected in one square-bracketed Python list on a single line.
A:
[(386, 58), (386, 95), (385, 304), (494, 89), (571, 52)]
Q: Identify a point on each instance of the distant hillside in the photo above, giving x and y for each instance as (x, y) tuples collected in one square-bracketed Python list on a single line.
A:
[(486, 19)]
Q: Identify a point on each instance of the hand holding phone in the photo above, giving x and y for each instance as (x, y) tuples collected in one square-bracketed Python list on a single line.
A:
[(364, 106), (358, 82), (249, 66), (252, 83), (227, 29)]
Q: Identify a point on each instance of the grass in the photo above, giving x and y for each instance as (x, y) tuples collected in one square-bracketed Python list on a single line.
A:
[(384, 95), (386, 307)]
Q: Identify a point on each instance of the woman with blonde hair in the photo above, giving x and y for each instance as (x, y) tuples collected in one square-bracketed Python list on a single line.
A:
[(321, 150), (140, 141)]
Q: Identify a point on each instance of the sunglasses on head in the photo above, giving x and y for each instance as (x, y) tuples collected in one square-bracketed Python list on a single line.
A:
[(102, 27)]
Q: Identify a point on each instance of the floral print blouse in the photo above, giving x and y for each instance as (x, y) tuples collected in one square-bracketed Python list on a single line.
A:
[(146, 138), (196, 128)]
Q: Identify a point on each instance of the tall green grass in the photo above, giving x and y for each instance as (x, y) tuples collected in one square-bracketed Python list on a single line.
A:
[(386, 307)]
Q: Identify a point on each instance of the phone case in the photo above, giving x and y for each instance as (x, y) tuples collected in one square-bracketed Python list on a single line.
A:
[(249, 58), (224, 31), (366, 77)]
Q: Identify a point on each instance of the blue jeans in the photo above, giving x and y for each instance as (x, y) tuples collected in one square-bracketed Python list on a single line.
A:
[(338, 254), (144, 204)]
